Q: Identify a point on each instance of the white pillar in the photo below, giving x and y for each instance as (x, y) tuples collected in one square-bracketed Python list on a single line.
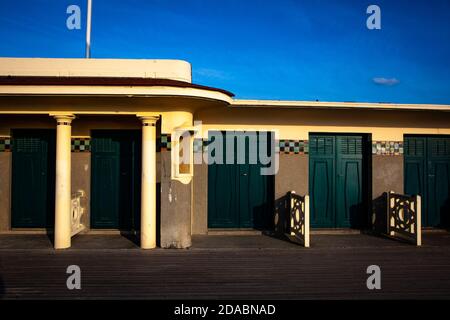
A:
[(62, 185), (148, 187)]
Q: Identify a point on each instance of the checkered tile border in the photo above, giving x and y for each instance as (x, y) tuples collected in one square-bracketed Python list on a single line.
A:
[(387, 148), (293, 146), (164, 142), (282, 146), (5, 144), (84, 144), (81, 144)]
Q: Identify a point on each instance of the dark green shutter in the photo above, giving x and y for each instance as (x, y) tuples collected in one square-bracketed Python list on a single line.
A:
[(414, 171), (115, 179), (33, 179), (223, 205), (427, 173), (338, 180), (322, 180), (349, 182), (238, 195), (438, 181)]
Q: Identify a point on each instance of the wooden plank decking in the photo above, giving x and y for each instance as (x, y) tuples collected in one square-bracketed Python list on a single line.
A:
[(233, 268)]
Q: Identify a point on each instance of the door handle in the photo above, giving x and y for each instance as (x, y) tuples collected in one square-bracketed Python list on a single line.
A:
[(244, 174)]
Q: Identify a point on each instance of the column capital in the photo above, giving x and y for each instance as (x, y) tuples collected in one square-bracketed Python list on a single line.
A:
[(148, 120), (63, 118)]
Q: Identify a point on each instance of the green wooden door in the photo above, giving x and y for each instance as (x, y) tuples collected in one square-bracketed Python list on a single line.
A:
[(115, 179), (238, 195), (427, 173), (438, 166), (223, 201), (33, 179), (350, 207), (415, 170), (338, 181), (322, 171), (255, 190)]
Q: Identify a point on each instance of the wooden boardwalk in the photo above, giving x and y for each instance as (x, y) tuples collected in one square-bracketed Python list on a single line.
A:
[(234, 268)]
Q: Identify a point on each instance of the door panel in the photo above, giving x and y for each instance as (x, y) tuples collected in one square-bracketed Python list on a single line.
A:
[(115, 179), (427, 173), (222, 193), (105, 191), (238, 195), (439, 190), (246, 198), (33, 179), (245, 181), (415, 170), (255, 189), (223, 211), (322, 181), (349, 182), (338, 181), (349, 193), (438, 162)]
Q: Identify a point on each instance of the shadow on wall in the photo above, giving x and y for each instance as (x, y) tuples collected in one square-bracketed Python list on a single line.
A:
[(262, 217), (358, 214), (379, 214), (282, 219), (282, 215)]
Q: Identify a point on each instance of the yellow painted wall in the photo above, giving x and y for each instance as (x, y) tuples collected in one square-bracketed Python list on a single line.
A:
[(83, 124), (80, 127), (175, 119), (298, 123), (175, 112)]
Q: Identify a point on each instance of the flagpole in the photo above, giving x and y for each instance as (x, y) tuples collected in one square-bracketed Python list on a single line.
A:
[(88, 29)]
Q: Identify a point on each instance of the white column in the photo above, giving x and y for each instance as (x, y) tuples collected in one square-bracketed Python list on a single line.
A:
[(62, 185), (148, 187)]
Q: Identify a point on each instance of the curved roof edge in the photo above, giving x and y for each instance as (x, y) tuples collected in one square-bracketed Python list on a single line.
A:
[(102, 81)]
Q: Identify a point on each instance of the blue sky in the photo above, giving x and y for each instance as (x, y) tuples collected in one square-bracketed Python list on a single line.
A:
[(284, 49)]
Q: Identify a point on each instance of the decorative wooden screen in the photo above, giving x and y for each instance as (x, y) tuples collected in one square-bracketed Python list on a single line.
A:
[(404, 217), (299, 217), (77, 212)]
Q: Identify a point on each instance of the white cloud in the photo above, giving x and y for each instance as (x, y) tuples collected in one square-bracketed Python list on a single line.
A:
[(386, 81)]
